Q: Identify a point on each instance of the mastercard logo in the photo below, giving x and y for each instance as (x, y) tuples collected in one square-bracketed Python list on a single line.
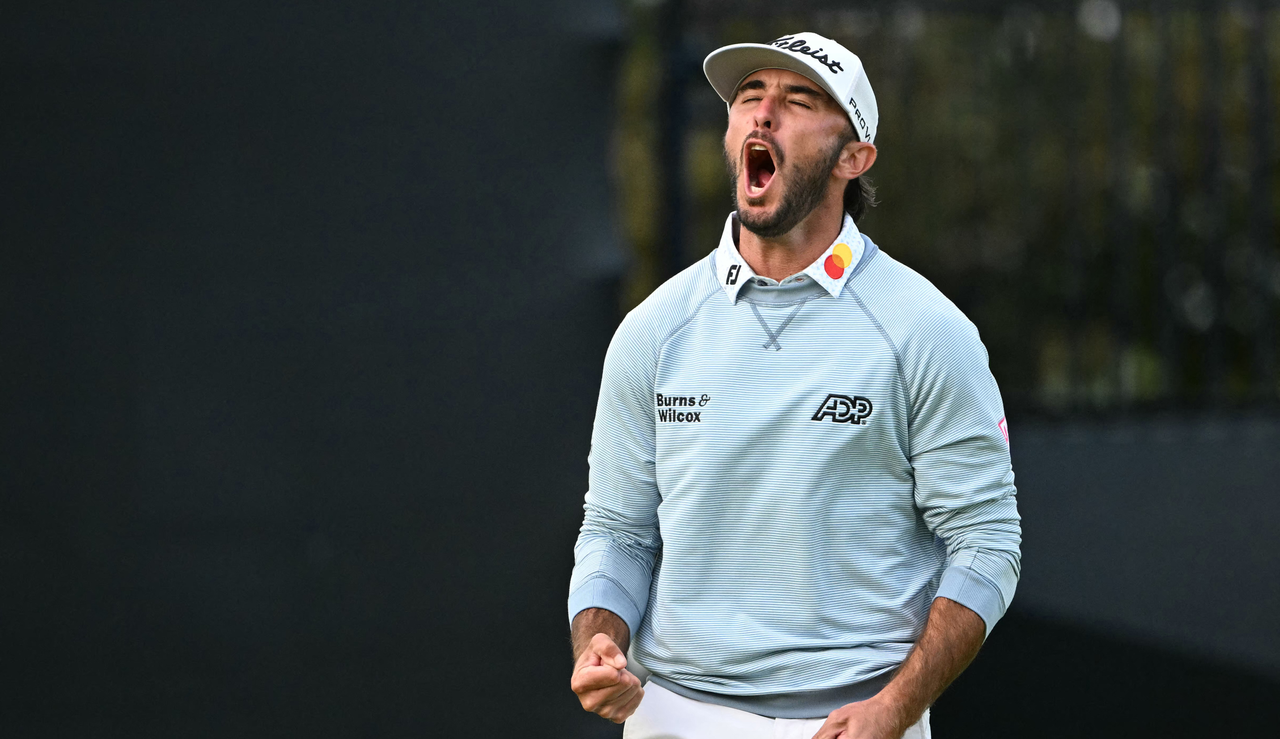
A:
[(838, 261)]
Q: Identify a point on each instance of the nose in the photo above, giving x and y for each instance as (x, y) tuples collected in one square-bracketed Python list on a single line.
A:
[(765, 113)]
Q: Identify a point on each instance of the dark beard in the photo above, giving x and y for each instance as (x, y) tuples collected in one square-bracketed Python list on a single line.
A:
[(804, 193)]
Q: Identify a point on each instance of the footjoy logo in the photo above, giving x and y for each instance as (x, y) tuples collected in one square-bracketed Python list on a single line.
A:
[(843, 409), (667, 405)]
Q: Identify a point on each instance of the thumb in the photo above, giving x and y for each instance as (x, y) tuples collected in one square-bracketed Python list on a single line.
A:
[(609, 652), (828, 731)]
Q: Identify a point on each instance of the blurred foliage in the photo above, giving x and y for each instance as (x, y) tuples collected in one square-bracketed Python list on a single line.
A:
[(1094, 184)]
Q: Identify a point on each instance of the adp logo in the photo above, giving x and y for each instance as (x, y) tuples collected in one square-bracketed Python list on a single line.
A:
[(843, 409)]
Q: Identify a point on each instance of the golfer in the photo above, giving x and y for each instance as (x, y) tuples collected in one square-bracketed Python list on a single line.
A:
[(801, 519)]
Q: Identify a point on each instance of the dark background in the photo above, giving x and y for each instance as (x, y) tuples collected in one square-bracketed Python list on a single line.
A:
[(303, 314), (304, 310)]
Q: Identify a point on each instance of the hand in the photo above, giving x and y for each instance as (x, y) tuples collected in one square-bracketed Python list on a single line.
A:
[(602, 682), (869, 719)]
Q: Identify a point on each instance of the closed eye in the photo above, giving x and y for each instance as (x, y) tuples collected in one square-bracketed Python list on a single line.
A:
[(753, 85), (806, 96)]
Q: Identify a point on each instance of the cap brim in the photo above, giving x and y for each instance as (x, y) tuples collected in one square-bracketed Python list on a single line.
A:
[(728, 66)]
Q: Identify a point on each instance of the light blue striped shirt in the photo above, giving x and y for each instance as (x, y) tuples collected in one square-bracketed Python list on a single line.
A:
[(784, 476)]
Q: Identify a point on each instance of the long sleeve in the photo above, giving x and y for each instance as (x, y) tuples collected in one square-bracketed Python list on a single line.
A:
[(619, 539), (960, 457)]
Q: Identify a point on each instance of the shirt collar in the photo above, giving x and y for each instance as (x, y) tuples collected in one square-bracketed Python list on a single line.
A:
[(831, 270)]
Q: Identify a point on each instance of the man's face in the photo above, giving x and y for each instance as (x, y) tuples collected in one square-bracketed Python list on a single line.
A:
[(784, 137)]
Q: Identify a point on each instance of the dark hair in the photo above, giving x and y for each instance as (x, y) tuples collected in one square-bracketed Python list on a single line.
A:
[(860, 193)]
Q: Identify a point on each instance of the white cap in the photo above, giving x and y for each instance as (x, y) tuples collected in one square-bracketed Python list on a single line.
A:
[(838, 70)]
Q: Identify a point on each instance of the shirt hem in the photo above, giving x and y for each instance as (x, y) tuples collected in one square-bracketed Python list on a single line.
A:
[(804, 704)]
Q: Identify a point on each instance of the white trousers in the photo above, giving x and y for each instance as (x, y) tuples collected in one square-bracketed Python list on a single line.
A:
[(666, 715)]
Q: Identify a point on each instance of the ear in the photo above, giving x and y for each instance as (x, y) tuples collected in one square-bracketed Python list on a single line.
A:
[(855, 159)]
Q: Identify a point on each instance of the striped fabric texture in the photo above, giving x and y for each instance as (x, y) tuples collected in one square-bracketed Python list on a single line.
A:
[(784, 475)]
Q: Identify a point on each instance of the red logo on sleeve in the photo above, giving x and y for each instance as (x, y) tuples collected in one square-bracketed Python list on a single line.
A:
[(1004, 429)]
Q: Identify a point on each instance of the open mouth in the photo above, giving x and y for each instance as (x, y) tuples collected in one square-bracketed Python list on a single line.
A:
[(760, 168)]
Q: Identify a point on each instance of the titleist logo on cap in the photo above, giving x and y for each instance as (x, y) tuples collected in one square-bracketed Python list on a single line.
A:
[(798, 46)]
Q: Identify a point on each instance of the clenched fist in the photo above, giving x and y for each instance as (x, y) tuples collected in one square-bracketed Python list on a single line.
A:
[(602, 683)]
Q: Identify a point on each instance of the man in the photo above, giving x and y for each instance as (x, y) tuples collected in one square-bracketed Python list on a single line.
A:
[(801, 503)]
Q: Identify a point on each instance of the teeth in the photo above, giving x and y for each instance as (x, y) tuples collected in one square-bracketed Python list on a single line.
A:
[(758, 147)]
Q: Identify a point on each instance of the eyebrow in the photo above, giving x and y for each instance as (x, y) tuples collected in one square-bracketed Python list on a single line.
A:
[(803, 90), (790, 89)]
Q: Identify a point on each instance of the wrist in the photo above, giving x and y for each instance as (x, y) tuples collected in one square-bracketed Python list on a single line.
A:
[(594, 621), (898, 711)]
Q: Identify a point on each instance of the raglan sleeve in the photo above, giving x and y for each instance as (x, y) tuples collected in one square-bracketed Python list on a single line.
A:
[(959, 453), (619, 539)]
